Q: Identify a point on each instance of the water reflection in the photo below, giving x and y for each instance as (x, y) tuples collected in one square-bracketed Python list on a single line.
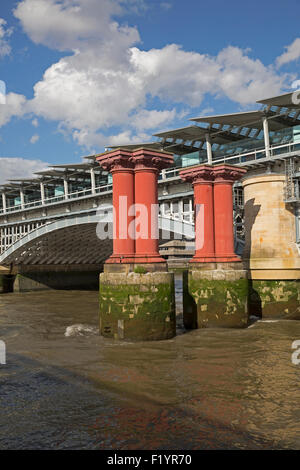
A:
[(204, 389)]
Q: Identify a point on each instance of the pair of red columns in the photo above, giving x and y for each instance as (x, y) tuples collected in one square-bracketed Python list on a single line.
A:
[(135, 191), (213, 202)]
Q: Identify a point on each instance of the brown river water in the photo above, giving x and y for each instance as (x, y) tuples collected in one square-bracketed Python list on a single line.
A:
[(65, 387)]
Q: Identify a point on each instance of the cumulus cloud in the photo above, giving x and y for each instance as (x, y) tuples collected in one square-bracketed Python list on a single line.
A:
[(5, 33), (292, 53), (34, 139), (68, 24), (104, 90), (14, 168), (15, 105), (151, 119), (166, 5)]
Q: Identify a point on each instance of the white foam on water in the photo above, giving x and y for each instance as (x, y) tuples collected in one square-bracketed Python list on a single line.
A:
[(261, 321), (81, 330), (268, 321)]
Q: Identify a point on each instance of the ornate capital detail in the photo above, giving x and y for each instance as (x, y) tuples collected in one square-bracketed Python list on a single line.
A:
[(151, 159), (116, 160), (228, 173), (198, 175)]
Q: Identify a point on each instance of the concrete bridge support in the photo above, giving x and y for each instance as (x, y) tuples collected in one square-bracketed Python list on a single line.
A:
[(271, 254), (217, 281), (137, 299)]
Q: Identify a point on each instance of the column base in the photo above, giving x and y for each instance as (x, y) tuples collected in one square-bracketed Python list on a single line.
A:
[(142, 258), (137, 306), (120, 259), (216, 259), (135, 259), (220, 293), (275, 299)]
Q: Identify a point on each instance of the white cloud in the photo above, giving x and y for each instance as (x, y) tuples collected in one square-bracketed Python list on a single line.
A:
[(246, 80), (152, 119), (15, 106), (292, 53), (102, 91), (35, 138), (67, 24), (166, 5), (14, 168), (95, 140), (35, 122), (5, 33), (190, 75)]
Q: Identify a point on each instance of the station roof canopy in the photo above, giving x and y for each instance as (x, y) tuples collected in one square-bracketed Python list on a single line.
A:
[(281, 112), (51, 172), (75, 166), (151, 145), (283, 101), (235, 119)]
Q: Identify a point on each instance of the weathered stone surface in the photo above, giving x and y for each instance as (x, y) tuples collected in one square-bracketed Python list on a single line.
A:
[(270, 244), (144, 304), (220, 298), (275, 299)]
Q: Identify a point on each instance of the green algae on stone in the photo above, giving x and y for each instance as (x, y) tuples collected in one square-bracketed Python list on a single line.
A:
[(275, 298), (220, 303), (137, 306)]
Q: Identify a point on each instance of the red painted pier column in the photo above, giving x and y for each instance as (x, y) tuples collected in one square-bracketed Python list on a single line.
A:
[(147, 165), (202, 179), (118, 162), (224, 177)]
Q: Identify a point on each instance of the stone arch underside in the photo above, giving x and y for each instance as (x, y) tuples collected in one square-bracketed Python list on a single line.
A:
[(77, 243), (72, 245)]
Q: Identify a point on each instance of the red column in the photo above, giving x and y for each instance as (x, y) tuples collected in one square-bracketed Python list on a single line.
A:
[(225, 176), (119, 164), (202, 179), (148, 164)]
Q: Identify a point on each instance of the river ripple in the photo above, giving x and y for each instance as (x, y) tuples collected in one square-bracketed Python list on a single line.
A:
[(65, 387)]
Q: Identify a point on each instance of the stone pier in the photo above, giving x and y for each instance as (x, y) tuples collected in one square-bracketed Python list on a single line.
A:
[(271, 253), (137, 298), (217, 281)]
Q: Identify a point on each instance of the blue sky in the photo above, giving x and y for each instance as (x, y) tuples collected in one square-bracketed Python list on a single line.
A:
[(82, 74)]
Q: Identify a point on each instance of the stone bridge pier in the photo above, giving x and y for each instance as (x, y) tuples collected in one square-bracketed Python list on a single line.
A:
[(137, 299)]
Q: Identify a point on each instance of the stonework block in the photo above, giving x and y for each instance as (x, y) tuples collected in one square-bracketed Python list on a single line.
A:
[(275, 299), (144, 303), (220, 301)]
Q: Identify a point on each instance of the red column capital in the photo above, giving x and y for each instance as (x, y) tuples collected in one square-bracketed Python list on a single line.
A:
[(144, 158), (227, 174), (201, 174), (115, 160)]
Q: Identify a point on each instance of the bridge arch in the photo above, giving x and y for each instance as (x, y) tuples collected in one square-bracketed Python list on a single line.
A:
[(73, 240)]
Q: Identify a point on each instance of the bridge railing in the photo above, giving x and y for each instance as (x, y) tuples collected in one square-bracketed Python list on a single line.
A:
[(258, 154), (238, 159), (52, 200)]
